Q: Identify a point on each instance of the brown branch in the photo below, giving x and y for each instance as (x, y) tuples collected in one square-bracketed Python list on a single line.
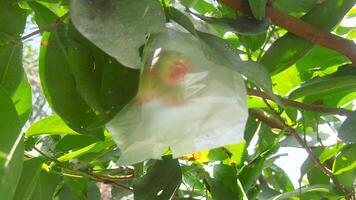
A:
[(302, 29), (277, 123), (51, 26), (302, 106)]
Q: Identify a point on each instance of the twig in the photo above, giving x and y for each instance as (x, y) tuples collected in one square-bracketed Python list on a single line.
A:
[(302, 29), (277, 123), (302, 106), (51, 26), (95, 177)]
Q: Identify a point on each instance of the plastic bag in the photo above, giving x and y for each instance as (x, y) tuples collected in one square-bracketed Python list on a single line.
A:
[(185, 102)]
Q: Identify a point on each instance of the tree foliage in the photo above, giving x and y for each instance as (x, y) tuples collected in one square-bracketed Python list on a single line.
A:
[(298, 64)]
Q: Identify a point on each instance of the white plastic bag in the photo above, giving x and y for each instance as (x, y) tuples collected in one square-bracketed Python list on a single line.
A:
[(185, 102)]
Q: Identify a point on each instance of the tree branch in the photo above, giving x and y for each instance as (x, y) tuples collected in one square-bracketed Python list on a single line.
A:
[(92, 176), (277, 123), (51, 26), (302, 106), (301, 29)]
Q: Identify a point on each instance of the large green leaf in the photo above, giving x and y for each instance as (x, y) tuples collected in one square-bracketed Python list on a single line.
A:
[(11, 72), (52, 125), (225, 185), (347, 131), (323, 85), (160, 182), (11, 11), (11, 147), (341, 81), (290, 48), (317, 60), (29, 177), (105, 84), (85, 73), (46, 186), (60, 86), (127, 21)]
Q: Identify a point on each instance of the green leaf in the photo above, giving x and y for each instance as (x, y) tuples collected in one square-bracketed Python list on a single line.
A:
[(312, 192), (119, 85), (316, 176), (11, 147), (60, 87), (182, 19), (258, 8), (92, 148), (278, 179), (85, 74), (323, 85), (160, 182), (127, 21), (318, 59), (78, 186), (324, 154), (253, 42), (10, 10), (228, 176), (93, 191), (22, 99), (344, 166), (52, 125), (29, 176), (11, 72), (250, 173), (250, 129), (290, 48), (46, 186), (348, 129), (218, 154), (239, 153), (43, 16), (293, 6), (71, 142), (200, 6), (220, 190), (105, 84), (66, 194)]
